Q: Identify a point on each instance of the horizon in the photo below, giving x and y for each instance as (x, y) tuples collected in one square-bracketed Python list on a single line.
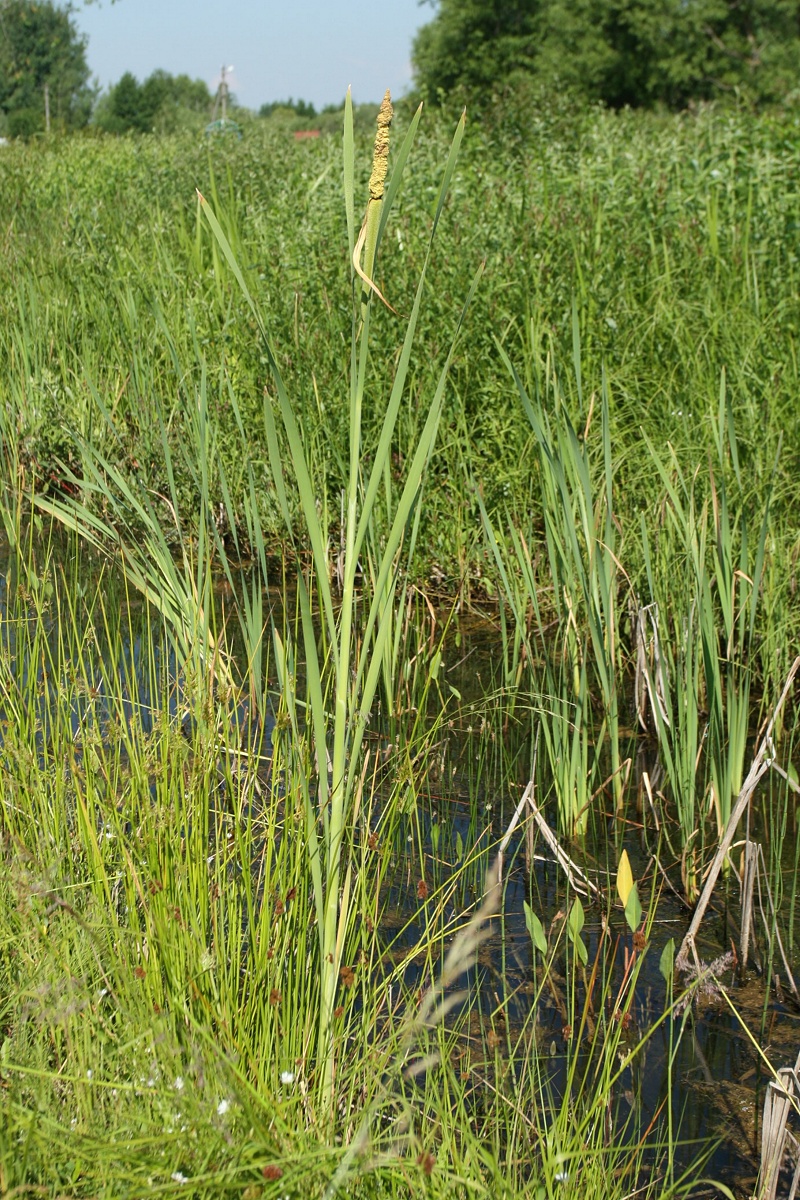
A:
[(312, 50)]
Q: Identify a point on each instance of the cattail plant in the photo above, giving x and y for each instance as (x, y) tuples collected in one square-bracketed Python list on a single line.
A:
[(327, 706)]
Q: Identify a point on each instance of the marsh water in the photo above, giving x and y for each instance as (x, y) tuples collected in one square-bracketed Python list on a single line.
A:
[(460, 802), (718, 1074)]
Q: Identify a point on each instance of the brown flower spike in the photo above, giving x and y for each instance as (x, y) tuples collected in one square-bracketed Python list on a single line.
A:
[(380, 153), (368, 238)]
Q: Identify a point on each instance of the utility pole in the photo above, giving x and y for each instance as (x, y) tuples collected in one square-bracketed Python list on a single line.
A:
[(221, 98), (47, 108)]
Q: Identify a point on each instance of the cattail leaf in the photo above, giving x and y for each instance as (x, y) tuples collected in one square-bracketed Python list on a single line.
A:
[(410, 493), (396, 177), (450, 167), (349, 158), (384, 449)]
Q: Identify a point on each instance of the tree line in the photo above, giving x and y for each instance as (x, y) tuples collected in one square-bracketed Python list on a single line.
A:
[(619, 52), (642, 53), (45, 81)]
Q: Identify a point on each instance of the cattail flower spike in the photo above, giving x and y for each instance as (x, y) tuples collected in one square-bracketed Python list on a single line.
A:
[(368, 237)]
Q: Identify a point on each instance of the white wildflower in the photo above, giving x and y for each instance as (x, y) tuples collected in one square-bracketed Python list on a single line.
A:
[(179, 1177), (287, 1077), (223, 1107), (179, 1083)]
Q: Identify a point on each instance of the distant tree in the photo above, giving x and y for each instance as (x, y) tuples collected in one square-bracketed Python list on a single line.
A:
[(671, 52), (127, 105), (472, 46), (165, 94), (162, 103), (300, 108), (637, 52), (42, 64)]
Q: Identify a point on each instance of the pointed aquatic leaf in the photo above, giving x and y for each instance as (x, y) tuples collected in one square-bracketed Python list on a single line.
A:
[(576, 917), (624, 878), (575, 924), (535, 928), (633, 909), (666, 964)]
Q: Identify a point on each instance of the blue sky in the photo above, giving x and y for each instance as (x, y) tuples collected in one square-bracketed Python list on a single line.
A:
[(302, 48)]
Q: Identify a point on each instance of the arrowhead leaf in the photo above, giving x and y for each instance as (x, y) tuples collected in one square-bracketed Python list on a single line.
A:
[(576, 917), (535, 928), (624, 878), (575, 924), (633, 909)]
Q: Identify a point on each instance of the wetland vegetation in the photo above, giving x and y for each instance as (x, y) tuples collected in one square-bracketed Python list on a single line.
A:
[(397, 637)]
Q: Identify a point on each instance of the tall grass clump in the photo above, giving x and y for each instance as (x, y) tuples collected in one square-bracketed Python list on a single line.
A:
[(704, 600), (329, 714), (676, 590), (577, 635)]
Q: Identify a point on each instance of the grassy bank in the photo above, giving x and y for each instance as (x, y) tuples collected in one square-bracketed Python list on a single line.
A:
[(663, 248)]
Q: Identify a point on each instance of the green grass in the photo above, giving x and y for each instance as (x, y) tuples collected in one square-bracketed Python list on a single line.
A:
[(581, 416), (668, 244)]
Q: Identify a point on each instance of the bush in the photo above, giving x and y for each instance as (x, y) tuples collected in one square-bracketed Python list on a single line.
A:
[(25, 122)]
